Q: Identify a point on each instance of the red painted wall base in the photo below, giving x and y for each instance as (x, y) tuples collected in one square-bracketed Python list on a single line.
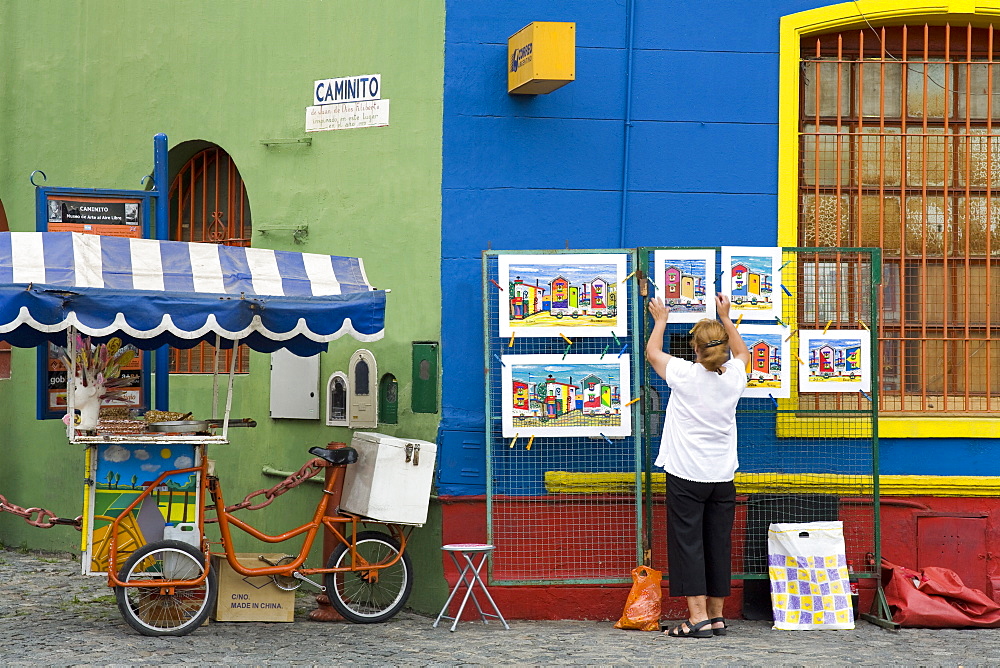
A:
[(911, 536)]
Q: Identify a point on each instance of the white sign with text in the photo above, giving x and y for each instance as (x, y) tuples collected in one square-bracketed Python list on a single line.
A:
[(348, 115)]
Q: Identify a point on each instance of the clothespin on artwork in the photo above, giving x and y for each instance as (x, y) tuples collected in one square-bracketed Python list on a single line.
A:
[(530, 441), (511, 344), (778, 320), (784, 265), (605, 351), (865, 395), (862, 323), (566, 352), (513, 441), (617, 342), (773, 400), (633, 401), (650, 281), (791, 334), (829, 322), (496, 284), (565, 338), (607, 439), (786, 290), (738, 320), (497, 357), (800, 360), (624, 348), (626, 278)]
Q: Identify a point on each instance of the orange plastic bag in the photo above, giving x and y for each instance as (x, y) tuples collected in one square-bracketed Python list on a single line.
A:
[(642, 609)]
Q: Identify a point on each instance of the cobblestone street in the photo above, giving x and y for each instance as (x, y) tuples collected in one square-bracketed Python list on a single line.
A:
[(52, 615)]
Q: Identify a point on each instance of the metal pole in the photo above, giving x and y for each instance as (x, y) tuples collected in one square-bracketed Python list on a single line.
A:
[(161, 175)]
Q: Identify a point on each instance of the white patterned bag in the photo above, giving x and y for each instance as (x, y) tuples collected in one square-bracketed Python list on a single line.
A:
[(807, 566)]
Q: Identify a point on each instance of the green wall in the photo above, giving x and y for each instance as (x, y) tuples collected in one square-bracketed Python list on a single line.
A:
[(86, 86)]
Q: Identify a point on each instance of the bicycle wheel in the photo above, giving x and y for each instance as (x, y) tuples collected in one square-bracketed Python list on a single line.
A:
[(153, 612), (367, 596)]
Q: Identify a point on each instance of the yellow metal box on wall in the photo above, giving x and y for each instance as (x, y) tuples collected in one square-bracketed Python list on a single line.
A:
[(251, 599), (541, 57)]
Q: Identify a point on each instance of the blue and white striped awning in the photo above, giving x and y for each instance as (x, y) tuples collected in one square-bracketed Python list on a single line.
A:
[(152, 293)]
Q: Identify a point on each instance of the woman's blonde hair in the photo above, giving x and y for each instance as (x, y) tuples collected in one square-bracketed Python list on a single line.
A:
[(712, 343)]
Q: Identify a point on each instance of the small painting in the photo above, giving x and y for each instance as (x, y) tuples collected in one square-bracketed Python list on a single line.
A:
[(770, 369), (838, 360), (566, 395), (121, 472), (550, 295), (685, 279), (752, 278)]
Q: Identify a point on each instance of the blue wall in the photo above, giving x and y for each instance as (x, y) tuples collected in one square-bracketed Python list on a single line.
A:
[(531, 172)]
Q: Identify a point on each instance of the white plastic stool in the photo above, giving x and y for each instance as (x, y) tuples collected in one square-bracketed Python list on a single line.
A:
[(469, 576)]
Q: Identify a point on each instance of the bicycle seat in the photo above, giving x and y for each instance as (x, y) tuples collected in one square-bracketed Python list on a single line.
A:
[(336, 456)]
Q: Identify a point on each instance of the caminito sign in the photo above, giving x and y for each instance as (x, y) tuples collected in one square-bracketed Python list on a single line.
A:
[(347, 102)]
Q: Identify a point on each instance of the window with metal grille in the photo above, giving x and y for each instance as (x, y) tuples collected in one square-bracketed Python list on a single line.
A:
[(209, 204), (897, 151)]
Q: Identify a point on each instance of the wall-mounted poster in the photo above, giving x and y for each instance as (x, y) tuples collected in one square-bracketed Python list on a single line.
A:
[(571, 395), (838, 360), (549, 295), (770, 370), (685, 279), (752, 278)]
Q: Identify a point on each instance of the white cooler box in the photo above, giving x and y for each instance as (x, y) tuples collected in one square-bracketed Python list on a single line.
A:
[(391, 481)]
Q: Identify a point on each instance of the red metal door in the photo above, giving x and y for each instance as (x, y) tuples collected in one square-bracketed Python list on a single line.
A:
[(958, 543)]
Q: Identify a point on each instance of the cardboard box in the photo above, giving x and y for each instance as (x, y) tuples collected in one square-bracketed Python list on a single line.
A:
[(391, 481), (250, 599)]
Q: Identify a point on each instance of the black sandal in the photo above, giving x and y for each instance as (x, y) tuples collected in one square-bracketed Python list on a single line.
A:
[(722, 631), (693, 630)]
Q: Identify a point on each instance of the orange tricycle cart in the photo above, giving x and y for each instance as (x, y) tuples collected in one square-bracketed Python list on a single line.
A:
[(151, 487)]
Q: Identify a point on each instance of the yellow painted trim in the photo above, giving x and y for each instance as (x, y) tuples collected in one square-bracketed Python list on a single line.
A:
[(566, 482), (86, 501), (943, 427)]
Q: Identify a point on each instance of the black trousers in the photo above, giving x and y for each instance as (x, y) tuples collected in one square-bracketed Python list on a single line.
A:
[(699, 536)]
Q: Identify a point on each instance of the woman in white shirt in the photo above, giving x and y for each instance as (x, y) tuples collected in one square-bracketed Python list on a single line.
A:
[(698, 452)]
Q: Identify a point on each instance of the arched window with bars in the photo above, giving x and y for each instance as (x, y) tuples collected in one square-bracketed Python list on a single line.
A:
[(209, 204)]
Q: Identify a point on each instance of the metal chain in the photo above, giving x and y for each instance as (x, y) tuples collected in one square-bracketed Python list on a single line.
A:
[(308, 470), (46, 519)]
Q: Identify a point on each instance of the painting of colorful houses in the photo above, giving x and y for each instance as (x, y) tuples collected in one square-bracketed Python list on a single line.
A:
[(685, 279), (120, 473), (838, 360), (571, 395), (769, 371), (753, 277), (548, 295)]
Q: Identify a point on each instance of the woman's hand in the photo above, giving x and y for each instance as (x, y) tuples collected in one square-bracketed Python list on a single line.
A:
[(658, 310), (722, 305)]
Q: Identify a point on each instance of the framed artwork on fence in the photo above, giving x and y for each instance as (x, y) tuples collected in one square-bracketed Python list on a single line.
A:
[(565, 395), (838, 360), (752, 278), (769, 373), (550, 295), (685, 279)]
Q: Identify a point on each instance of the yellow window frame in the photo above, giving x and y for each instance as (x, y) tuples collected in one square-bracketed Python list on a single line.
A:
[(832, 18)]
